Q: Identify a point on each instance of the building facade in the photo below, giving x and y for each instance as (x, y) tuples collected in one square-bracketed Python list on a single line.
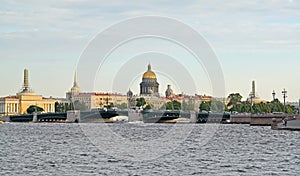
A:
[(18, 104), (93, 100), (99, 100)]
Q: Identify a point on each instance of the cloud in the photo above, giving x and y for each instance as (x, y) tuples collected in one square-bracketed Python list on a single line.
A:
[(56, 29), (281, 42)]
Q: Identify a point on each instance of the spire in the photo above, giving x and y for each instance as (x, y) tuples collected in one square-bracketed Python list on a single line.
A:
[(149, 67), (75, 88), (75, 79)]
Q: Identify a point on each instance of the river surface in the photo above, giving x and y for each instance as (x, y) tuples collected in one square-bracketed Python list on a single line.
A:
[(69, 149)]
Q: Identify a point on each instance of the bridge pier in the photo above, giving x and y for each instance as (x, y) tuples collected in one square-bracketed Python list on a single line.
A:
[(193, 117), (73, 116), (134, 116), (35, 119)]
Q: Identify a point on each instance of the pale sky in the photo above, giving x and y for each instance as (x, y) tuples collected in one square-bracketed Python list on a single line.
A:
[(253, 39)]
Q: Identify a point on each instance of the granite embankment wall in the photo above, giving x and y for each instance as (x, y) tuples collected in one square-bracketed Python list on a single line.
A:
[(259, 119)]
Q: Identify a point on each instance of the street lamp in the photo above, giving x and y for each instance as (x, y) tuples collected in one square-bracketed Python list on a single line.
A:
[(284, 92)]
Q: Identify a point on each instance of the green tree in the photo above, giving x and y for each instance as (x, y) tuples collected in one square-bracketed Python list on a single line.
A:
[(217, 106), (169, 106), (238, 107), (205, 106), (34, 108), (276, 106), (235, 102), (234, 98), (176, 105), (173, 105), (59, 107), (111, 105), (77, 105), (257, 108), (148, 107), (140, 102), (246, 107), (289, 109)]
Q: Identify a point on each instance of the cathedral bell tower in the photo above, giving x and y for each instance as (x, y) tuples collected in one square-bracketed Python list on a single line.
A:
[(75, 90)]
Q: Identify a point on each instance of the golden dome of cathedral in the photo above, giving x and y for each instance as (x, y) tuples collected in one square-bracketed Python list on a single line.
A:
[(149, 74)]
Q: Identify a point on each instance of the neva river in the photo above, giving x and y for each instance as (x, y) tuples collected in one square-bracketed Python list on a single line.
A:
[(70, 149)]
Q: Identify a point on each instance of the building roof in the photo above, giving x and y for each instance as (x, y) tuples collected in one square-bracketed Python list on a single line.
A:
[(9, 98), (149, 74)]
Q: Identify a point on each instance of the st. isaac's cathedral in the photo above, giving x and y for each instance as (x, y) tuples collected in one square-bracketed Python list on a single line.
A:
[(149, 85)]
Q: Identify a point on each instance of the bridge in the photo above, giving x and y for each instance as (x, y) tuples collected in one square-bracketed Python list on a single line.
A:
[(158, 116), (44, 117)]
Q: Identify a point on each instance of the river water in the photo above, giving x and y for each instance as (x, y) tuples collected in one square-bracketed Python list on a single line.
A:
[(69, 149)]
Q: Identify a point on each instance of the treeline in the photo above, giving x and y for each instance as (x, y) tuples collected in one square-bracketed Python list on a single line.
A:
[(64, 107), (77, 105), (235, 104), (213, 105)]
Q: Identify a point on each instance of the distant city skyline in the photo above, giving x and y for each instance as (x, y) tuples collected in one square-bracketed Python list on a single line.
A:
[(254, 40)]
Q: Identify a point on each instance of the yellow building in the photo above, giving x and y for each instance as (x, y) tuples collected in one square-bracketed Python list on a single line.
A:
[(18, 104)]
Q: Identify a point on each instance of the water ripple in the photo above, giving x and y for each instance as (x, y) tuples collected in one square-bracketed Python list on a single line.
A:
[(63, 149)]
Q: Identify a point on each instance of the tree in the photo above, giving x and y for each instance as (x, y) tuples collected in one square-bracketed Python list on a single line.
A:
[(59, 107), (234, 104), (217, 106), (238, 107), (77, 105), (169, 106), (205, 106), (140, 102), (34, 108), (176, 105), (173, 105), (289, 109), (148, 107), (276, 106), (234, 98), (111, 105)]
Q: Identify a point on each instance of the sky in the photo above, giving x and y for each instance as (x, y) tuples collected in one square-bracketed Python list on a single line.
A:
[(252, 39)]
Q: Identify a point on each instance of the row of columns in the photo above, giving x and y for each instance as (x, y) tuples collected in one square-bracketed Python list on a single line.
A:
[(48, 108), (9, 107), (2, 108), (14, 108), (148, 90)]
